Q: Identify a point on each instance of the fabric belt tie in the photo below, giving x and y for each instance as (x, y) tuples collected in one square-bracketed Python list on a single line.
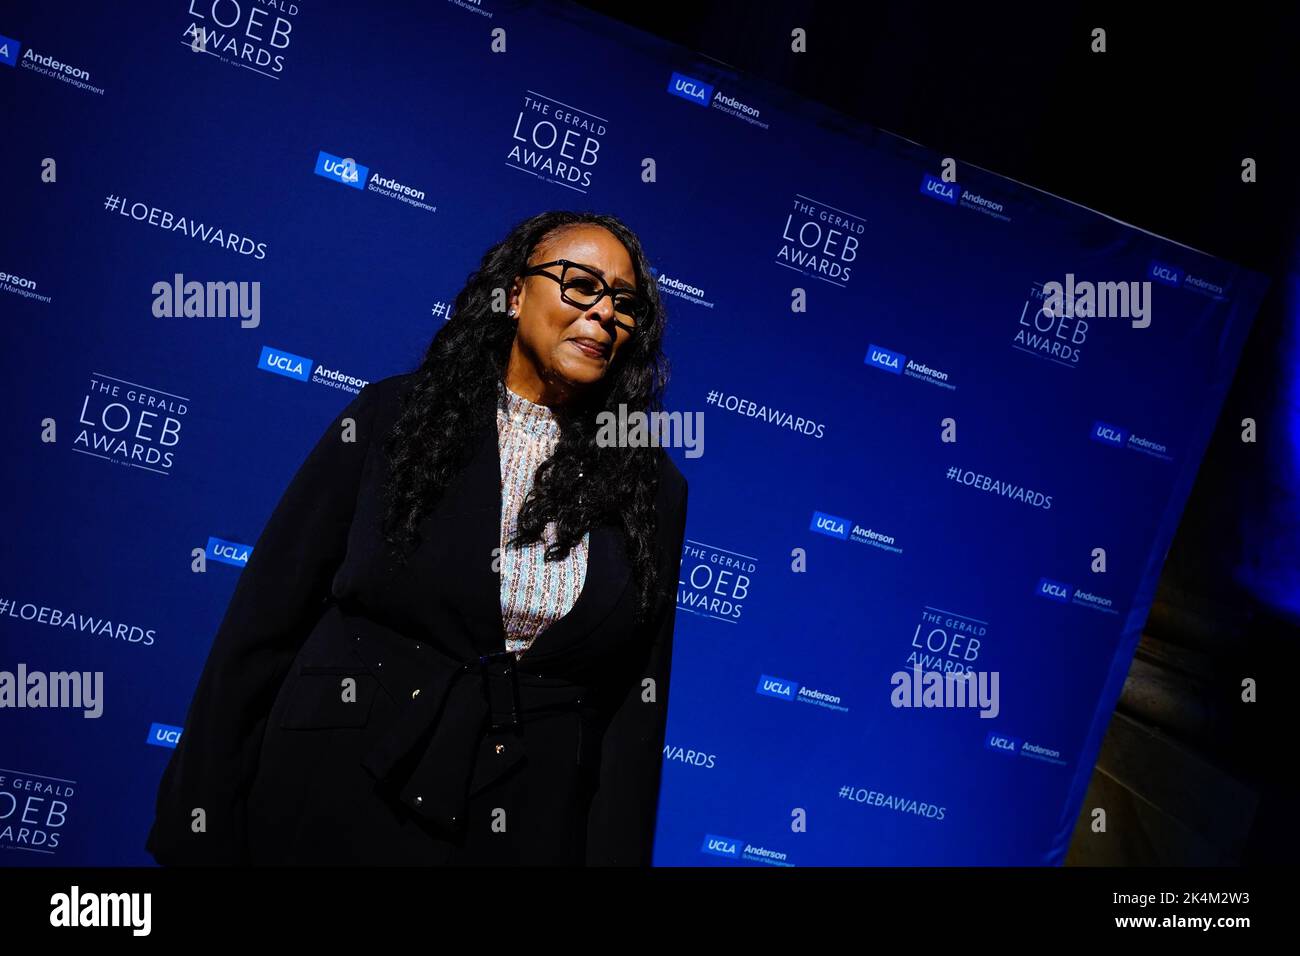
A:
[(450, 716)]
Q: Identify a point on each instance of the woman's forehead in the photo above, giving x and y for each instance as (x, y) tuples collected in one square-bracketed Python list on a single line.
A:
[(592, 246)]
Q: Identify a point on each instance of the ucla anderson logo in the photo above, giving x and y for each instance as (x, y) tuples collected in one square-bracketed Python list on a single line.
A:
[(1002, 743), (1015, 746), (776, 687), (340, 170), (1165, 273), (882, 357), (830, 525), (163, 735), (936, 188), (1109, 434), (721, 846), (229, 552), (1123, 438), (1053, 589), (285, 363), (9, 48), (689, 88)]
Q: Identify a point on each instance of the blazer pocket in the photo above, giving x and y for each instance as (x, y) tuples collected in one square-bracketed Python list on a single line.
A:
[(324, 698)]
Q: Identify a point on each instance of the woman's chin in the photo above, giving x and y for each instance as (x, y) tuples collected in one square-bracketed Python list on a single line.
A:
[(581, 373)]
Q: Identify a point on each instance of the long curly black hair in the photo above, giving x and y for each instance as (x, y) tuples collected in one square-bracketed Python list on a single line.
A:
[(455, 393)]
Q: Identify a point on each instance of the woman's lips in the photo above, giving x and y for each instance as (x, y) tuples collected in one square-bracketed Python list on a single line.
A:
[(589, 349)]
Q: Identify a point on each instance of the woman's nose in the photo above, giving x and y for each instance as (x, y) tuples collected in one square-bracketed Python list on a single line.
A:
[(603, 311)]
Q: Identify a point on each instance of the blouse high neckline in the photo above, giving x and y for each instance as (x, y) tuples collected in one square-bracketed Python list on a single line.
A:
[(535, 593), (536, 420)]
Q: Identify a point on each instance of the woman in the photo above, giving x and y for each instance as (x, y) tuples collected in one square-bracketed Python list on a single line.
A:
[(452, 641)]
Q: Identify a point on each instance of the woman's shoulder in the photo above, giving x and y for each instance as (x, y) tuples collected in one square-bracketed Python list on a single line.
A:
[(389, 388), (381, 398)]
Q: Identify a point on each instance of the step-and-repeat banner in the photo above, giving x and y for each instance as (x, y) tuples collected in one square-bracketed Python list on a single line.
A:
[(951, 421)]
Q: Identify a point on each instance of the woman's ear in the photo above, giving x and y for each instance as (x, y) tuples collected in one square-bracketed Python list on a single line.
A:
[(512, 306)]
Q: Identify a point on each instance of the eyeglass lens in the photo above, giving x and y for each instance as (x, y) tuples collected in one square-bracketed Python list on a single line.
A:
[(584, 287)]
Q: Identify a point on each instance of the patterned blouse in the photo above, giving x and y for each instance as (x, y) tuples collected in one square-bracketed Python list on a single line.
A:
[(534, 592)]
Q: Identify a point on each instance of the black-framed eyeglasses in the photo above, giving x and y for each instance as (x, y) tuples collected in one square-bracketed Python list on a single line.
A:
[(582, 286)]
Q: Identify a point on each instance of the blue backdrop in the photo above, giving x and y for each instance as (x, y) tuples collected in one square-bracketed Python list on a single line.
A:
[(834, 536)]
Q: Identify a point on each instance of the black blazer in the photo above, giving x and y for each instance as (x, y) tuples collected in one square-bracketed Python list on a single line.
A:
[(346, 713)]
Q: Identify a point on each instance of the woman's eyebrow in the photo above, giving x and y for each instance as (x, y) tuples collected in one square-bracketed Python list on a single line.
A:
[(619, 283)]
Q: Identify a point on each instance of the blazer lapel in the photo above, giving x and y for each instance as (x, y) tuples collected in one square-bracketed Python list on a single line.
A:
[(478, 530), (608, 576)]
